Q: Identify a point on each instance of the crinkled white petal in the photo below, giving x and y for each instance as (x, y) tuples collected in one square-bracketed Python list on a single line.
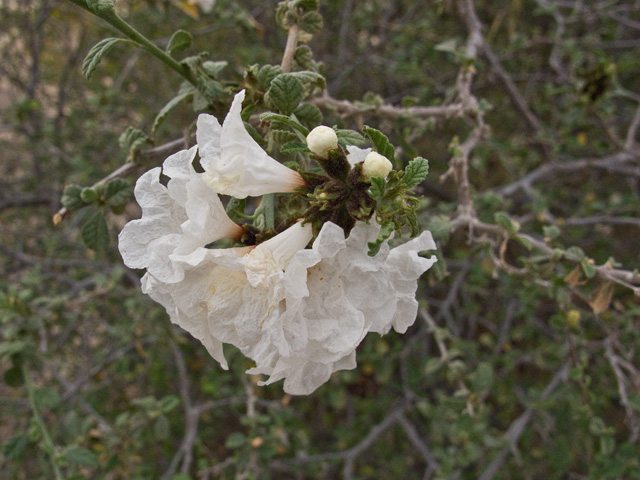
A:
[(335, 294), (233, 161), (356, 155), (184, 215)]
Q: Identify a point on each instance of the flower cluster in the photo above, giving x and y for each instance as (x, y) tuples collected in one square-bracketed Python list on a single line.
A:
[(299, 313)]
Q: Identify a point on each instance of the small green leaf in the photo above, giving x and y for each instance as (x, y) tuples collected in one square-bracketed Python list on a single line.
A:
[(294, 147), (380, 142), (169, 402), (267, 73), (303, 56), (283, 136), (13, 448), (88, 195), (350, 137), (574, 254), (550, 232), (47, 398), (415, 172), (235, 440), (588, 268), (385, 232), (96, 53), (214, 68), (286, 93), (164, 111), (378, 185), (71, 197), (133, 139), (117, 193), (270, 116), (309, 115), (506, 222), (440, 227), (95, 233), (180, 40), (311, 22), (80, 456), (310, 80)]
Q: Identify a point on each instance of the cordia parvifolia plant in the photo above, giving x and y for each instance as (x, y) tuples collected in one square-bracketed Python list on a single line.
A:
[(421, 216)]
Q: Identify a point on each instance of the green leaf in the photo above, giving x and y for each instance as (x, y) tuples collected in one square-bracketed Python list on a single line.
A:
[(235, 440), (283, 136), (311, 22), (309, 115), (13, 448), (286, 93), (95, 233), (415, 172), (214, 68), (267, 73), (550, 232), (270, 116), (80, 456), (385, 232), (164, 111), (88, 195), (350, 137), (574, 254), (440, 227), (506, 222), (588, 268), (310, 80), (294, 147), (180, 40), (71, 197), (169, 402), (96, 53), (378, 185), (117, 193), (380, 142), (303, 56), (133, 139)]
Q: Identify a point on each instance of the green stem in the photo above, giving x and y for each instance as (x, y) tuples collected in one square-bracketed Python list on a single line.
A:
[(49, 446), (111, 17)]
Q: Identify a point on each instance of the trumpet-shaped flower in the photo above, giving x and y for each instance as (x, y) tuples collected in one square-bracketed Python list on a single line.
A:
[(234, 163), (335, 294), (178, 218)]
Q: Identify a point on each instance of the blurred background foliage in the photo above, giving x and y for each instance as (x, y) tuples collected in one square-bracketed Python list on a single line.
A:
[(522, 364)]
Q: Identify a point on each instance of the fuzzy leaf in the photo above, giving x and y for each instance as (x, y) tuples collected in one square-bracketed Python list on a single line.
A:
[(303, 56), (378, 185), (310, 80), (309, 115), (71, 198), (180, 40), (270, 116), (95, 233), (380, 142), (311, 22), (350, 137), (574, 254), (286, 93), (117, 193), (415, 172), (214, 68), (294, 147), (506, 222), (13, 448), (96, 53), (267, 73), (283, 136), (132, 139), (385, 232), (80, 456)]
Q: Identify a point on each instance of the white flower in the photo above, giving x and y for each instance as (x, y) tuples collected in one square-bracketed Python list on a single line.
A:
[(321, 140), (376, 165), (335, 294), (356, 155), (178, 218), (227, 295), (234, 163)]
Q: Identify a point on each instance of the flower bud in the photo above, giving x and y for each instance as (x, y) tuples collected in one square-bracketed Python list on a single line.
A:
[(321, 140), (376, 165)]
